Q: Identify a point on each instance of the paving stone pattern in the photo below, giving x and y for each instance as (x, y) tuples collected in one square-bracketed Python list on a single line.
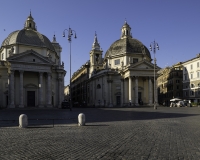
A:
[(109, 134)]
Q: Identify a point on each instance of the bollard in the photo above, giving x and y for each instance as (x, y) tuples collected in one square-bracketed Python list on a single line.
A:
[(23, 121), (81, 119)]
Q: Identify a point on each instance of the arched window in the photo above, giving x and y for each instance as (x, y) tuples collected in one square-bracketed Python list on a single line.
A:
[(98, 86), (192, 86), (30, 25)]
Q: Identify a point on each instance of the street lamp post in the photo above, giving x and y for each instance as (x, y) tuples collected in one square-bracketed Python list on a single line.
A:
[(155, 45), (70, 33)]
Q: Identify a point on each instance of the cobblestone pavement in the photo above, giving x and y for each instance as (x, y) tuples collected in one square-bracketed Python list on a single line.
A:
[(109, 134)]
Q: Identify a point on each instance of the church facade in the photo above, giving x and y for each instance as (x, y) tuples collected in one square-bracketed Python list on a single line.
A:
[(31, 73), (124, 76)]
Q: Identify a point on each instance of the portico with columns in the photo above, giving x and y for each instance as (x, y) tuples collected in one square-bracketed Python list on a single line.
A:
[(35, 82)]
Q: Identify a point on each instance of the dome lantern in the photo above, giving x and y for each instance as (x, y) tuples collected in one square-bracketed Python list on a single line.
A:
[(30, 24), (126, 31)]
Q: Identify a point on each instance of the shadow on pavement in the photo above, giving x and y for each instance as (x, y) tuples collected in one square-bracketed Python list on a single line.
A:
[(52, 117)]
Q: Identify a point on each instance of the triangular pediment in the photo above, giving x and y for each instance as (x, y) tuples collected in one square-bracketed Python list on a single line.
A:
[(30, 56), (142, 65)]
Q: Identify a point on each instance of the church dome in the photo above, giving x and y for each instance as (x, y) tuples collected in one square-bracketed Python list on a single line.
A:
[(28, 36), (127, 45)]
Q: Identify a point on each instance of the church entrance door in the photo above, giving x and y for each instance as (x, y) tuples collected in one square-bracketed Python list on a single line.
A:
[(118, 98), (31, 98)]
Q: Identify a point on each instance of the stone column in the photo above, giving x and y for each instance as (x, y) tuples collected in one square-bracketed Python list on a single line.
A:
[(156, 93), (110, 93), (130, 91), (49, 90), (150, 91), (59, 92), (122, 92), (93, 91), (21, 89), (41, 101), (136, 91), (12, 89)]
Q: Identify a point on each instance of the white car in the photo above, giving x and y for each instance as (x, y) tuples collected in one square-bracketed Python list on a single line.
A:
[(180, 104)]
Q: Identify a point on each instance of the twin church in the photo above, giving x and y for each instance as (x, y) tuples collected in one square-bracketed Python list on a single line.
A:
[(123, 76), (31, 73)]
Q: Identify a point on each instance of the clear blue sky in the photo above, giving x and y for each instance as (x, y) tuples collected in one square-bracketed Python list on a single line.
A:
[(174, 24)]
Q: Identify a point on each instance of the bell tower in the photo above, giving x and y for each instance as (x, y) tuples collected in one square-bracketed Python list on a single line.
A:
[(95, 57)]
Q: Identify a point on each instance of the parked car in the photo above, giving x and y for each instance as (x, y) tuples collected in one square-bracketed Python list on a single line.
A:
[(180, 104), (66, 105)]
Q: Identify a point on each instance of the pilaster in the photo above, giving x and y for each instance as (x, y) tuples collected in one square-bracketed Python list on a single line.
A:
[(21, 89)]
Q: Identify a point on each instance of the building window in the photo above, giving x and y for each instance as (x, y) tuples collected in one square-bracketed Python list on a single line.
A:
[(185, 68), (135, 60), (199, 85), (191, 66), (197, 64), (185, 76), (2, 56), (117, 61), (98, 86), (192, 86), (192, 93), (177, 87), (198, 74), (191, 75), (185, 93)]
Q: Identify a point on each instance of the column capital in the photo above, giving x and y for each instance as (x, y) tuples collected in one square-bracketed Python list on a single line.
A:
[(40, 73), (12, 71), (21, 71), (109, 81)]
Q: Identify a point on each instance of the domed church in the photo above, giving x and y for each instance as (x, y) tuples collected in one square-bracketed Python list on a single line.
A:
[(124, 76), (31, 73)]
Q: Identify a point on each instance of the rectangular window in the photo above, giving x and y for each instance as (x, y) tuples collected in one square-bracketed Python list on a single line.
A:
[(135, 60), (185, 76), (185, 68), (191, 76), (198, 74), (197, 64), (191, 67), (2, 56), (117, 61)]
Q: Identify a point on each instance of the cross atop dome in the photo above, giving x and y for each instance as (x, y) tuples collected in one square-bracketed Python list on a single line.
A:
[(54, 39), (30, 24), (126, 31)]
